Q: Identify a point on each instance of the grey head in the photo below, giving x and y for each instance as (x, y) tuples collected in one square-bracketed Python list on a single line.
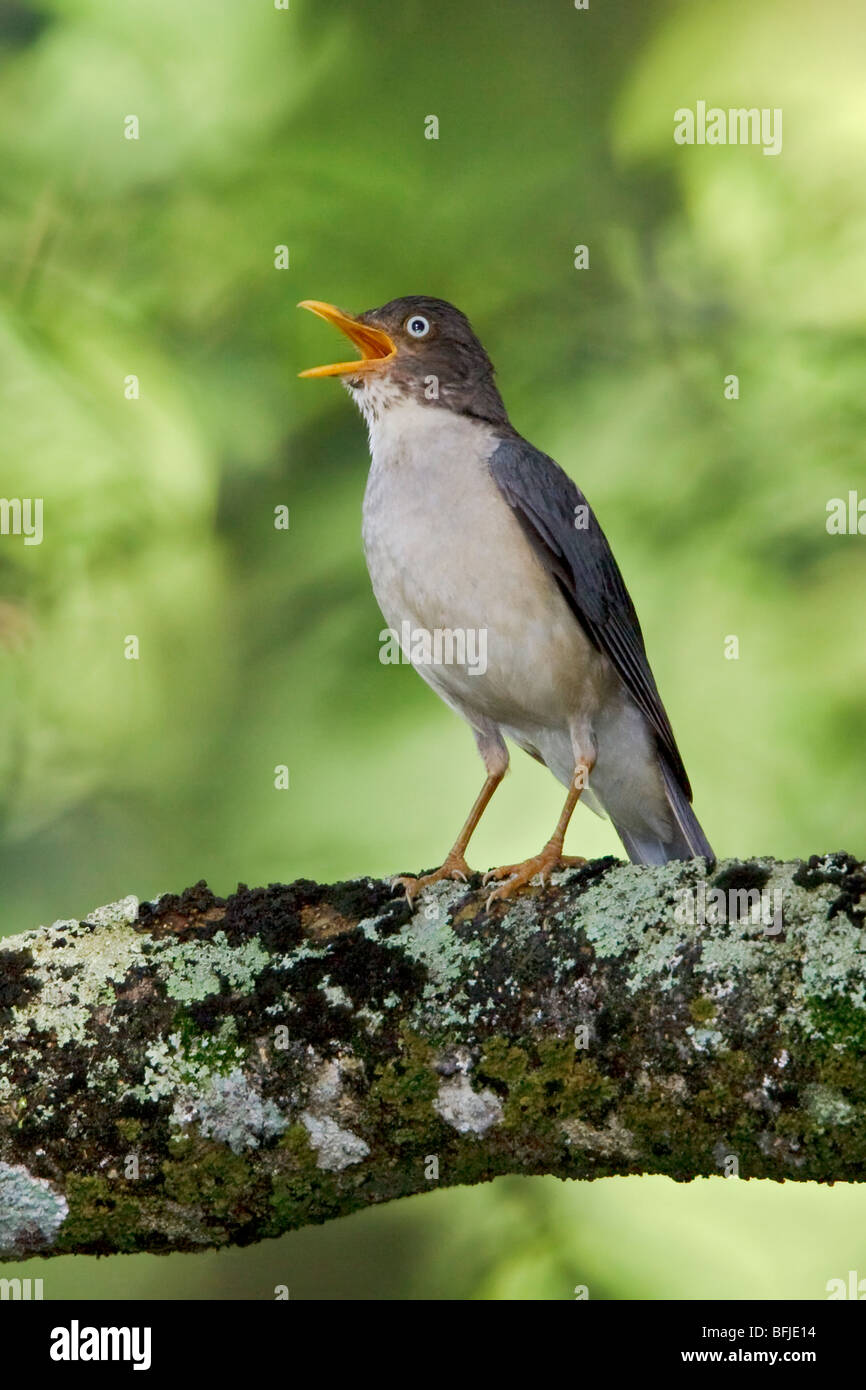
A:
[(416, 347)]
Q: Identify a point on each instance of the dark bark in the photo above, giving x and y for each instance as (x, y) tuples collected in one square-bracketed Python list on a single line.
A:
[(200, 1072)]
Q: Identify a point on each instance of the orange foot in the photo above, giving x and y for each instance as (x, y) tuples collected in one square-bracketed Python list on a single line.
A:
[(520, 875), (455, 866)]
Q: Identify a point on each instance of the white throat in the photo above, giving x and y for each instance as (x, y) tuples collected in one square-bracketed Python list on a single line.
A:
[(374, 394)]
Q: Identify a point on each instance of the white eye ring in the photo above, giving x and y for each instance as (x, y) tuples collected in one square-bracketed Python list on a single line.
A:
[(417, 326)]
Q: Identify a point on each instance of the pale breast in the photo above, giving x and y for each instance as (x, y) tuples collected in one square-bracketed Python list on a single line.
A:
[(445, 553)]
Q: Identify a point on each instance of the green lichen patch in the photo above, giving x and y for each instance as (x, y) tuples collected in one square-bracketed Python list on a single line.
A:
[(229, 1109), (192, 970), (104, 1217), (402, 1095), (834, 964), (827, 1107), (703, 1009), (204, 1175), (429, 939), (76, 966), (630, 914), (546, 1084), (31, 1211), (186, 1058), (838, 1020), (300, 1193)]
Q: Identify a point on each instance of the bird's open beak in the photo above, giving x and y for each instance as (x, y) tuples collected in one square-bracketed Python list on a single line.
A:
[(375, 345)]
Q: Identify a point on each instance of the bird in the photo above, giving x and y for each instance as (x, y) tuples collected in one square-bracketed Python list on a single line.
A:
[(469, 529)]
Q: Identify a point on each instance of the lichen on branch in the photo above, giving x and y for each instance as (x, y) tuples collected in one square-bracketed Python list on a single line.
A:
[(197, 1071)]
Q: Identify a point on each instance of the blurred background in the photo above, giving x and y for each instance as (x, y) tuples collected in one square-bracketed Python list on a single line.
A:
[(154, 257)]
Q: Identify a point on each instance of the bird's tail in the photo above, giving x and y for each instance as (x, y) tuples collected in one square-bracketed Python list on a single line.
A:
[(686, 840)]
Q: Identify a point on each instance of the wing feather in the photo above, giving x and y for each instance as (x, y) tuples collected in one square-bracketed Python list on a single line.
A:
[(580, 560)]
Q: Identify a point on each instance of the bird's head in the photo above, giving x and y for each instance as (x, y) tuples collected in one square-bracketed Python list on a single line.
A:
[(413, 348)]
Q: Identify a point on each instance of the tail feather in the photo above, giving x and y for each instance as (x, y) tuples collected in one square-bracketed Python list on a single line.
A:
[(686, 841)]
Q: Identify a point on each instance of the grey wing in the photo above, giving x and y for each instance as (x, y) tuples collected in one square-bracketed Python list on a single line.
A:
[(573, 548)]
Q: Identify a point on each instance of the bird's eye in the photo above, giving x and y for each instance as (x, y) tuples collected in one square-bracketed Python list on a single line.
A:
[(417, 326)]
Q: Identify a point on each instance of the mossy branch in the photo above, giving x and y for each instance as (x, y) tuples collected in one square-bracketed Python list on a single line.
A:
[(200, 1072)]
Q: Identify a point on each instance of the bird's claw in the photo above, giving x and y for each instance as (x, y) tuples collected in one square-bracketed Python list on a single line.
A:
[(455, 867), (518, 876)]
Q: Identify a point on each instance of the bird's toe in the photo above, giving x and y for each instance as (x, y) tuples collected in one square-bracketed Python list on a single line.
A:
[(502, 871), (517, 876), (454, 867)]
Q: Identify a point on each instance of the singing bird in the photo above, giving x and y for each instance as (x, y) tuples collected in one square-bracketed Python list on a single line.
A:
[(468, 528)]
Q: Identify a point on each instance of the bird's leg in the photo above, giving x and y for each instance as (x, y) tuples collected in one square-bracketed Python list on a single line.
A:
[(551, 857), (455, 865)]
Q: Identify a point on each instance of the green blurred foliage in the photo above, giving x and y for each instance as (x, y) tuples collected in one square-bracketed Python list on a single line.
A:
[(155, 257)]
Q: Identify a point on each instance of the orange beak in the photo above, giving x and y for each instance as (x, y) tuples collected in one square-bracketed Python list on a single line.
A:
[(375, 345)]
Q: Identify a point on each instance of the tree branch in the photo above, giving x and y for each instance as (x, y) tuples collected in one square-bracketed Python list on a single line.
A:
[(199, 1072)]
